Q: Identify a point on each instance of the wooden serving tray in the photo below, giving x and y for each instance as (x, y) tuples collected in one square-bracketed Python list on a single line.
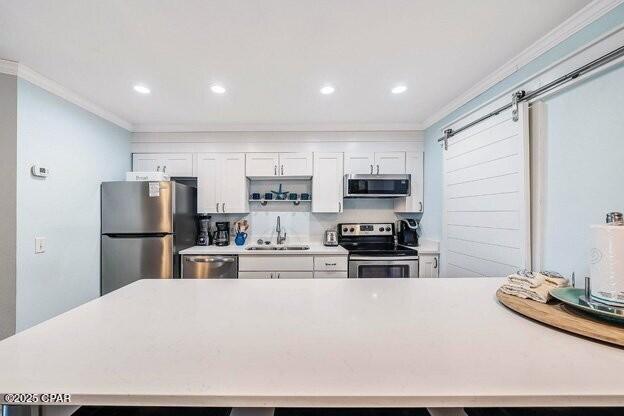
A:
[(559, 315)]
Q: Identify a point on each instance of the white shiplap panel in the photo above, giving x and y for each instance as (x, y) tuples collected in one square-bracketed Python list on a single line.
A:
[(501, 201), (486, 215), (498, 236)]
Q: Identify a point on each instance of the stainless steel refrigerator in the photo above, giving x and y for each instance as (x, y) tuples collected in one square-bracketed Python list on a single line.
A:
[(144, 226)]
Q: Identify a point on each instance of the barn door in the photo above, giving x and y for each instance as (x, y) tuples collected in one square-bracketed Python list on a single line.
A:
[(486, 206)]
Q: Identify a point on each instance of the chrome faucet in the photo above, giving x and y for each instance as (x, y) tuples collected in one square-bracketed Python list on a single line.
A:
[(278, 229)]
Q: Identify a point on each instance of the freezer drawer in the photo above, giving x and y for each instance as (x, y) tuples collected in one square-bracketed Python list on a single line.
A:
[(137, 207), (209, 267), (126, 259)]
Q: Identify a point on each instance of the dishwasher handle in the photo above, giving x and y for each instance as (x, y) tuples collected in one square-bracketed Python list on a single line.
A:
[(204, 259)]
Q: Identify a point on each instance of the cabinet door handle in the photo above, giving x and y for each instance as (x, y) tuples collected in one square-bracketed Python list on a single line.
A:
[(339, 206), (275, 170), (377, 169), (158, 168), (278, 275), (421, 206), (217, 207), (164, 169), (271, 276), (223, 207), (282, 170), (435, 262), (371, 169)]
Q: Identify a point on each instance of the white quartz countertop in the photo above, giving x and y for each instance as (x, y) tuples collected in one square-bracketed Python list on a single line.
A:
[(233, 249), (309, 342)]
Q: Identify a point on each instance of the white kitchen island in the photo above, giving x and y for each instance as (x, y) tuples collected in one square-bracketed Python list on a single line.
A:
[(313, 343)]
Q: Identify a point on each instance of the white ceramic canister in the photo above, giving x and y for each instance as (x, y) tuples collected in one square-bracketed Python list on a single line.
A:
[(606, 267)]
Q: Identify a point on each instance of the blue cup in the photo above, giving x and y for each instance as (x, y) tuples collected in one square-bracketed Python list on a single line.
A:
[(240, 238)]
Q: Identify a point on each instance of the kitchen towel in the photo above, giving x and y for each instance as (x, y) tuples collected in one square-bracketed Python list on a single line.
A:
[(533, 285), (606, 267)]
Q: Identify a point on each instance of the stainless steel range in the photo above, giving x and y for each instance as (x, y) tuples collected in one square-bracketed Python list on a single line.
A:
[(373, 252)]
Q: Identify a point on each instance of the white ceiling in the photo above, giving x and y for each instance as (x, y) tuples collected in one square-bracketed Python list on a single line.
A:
[(272, 55)]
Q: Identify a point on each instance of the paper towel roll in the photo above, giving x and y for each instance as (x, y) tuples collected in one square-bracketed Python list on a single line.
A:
[(606, 267)]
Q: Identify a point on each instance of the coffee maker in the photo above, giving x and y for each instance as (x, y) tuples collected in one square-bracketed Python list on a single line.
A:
[(203, 233), (222, 235), (407, 232)]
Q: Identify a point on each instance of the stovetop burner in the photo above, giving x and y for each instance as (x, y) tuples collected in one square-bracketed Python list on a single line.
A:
[(378, 249)]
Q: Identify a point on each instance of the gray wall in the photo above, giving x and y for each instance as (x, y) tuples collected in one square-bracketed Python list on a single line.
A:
[(8, 149), (81, 150)]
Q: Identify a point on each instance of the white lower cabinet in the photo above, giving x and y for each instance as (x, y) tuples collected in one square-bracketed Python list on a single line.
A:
[(255, 275), (292, 267), (428, 265), (330, 275)]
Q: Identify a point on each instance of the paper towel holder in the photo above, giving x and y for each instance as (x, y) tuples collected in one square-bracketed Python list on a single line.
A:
[(615, 218)]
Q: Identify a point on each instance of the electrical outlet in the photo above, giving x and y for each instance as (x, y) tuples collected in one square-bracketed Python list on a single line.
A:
[(40, 245)]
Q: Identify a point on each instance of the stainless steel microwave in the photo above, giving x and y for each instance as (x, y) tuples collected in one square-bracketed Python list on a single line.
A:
[(376, 186)]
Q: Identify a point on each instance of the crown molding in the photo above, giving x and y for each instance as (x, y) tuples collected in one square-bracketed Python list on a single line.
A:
[(338, 127), (587, 15), (24, 72)]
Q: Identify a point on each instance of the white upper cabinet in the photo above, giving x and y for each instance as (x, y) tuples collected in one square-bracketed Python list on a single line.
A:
[(221, 183), (295, 164), (267, 165), (389, 163), (235, 189), (173, 164), (327, 187), (375, 163), (262, 164), (359, 163), (414, 202)]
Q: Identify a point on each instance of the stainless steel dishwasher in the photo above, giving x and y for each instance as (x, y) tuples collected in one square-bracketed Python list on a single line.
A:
[(209, 267)]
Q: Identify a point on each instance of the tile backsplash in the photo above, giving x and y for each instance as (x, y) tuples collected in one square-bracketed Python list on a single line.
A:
[(301, 225)]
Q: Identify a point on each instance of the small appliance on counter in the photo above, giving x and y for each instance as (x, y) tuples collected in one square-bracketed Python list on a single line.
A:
[(331, 238), (407, 232), (222, 235), (203, 233)]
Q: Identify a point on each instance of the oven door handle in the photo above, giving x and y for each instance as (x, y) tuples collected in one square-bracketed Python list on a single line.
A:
[(384, 258)]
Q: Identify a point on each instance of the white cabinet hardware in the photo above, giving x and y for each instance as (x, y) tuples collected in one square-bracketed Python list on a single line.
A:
[(414, 202), (327, 189), (221, 181)]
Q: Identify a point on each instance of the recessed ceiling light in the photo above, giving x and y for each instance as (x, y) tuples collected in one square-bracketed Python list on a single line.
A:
[(327, 89), (399, 89), (218, 89), (142, 89)]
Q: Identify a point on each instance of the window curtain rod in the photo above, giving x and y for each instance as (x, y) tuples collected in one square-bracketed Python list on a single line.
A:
[(522, 95)]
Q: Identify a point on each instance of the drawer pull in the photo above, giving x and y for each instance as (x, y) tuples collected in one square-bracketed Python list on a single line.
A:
[(330, 264)]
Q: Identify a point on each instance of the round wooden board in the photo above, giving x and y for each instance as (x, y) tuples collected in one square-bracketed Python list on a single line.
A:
[(561, 316)]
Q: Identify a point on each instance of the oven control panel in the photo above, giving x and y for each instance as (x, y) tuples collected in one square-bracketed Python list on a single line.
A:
[(383, 229)]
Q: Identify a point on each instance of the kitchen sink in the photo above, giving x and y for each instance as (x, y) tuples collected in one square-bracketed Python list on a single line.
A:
[(296, 248), (276, 248)]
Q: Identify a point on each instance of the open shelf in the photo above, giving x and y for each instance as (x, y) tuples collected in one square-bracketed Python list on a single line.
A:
[(293, 201)]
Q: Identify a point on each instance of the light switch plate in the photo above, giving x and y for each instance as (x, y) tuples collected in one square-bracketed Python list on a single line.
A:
[(40, 245)]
